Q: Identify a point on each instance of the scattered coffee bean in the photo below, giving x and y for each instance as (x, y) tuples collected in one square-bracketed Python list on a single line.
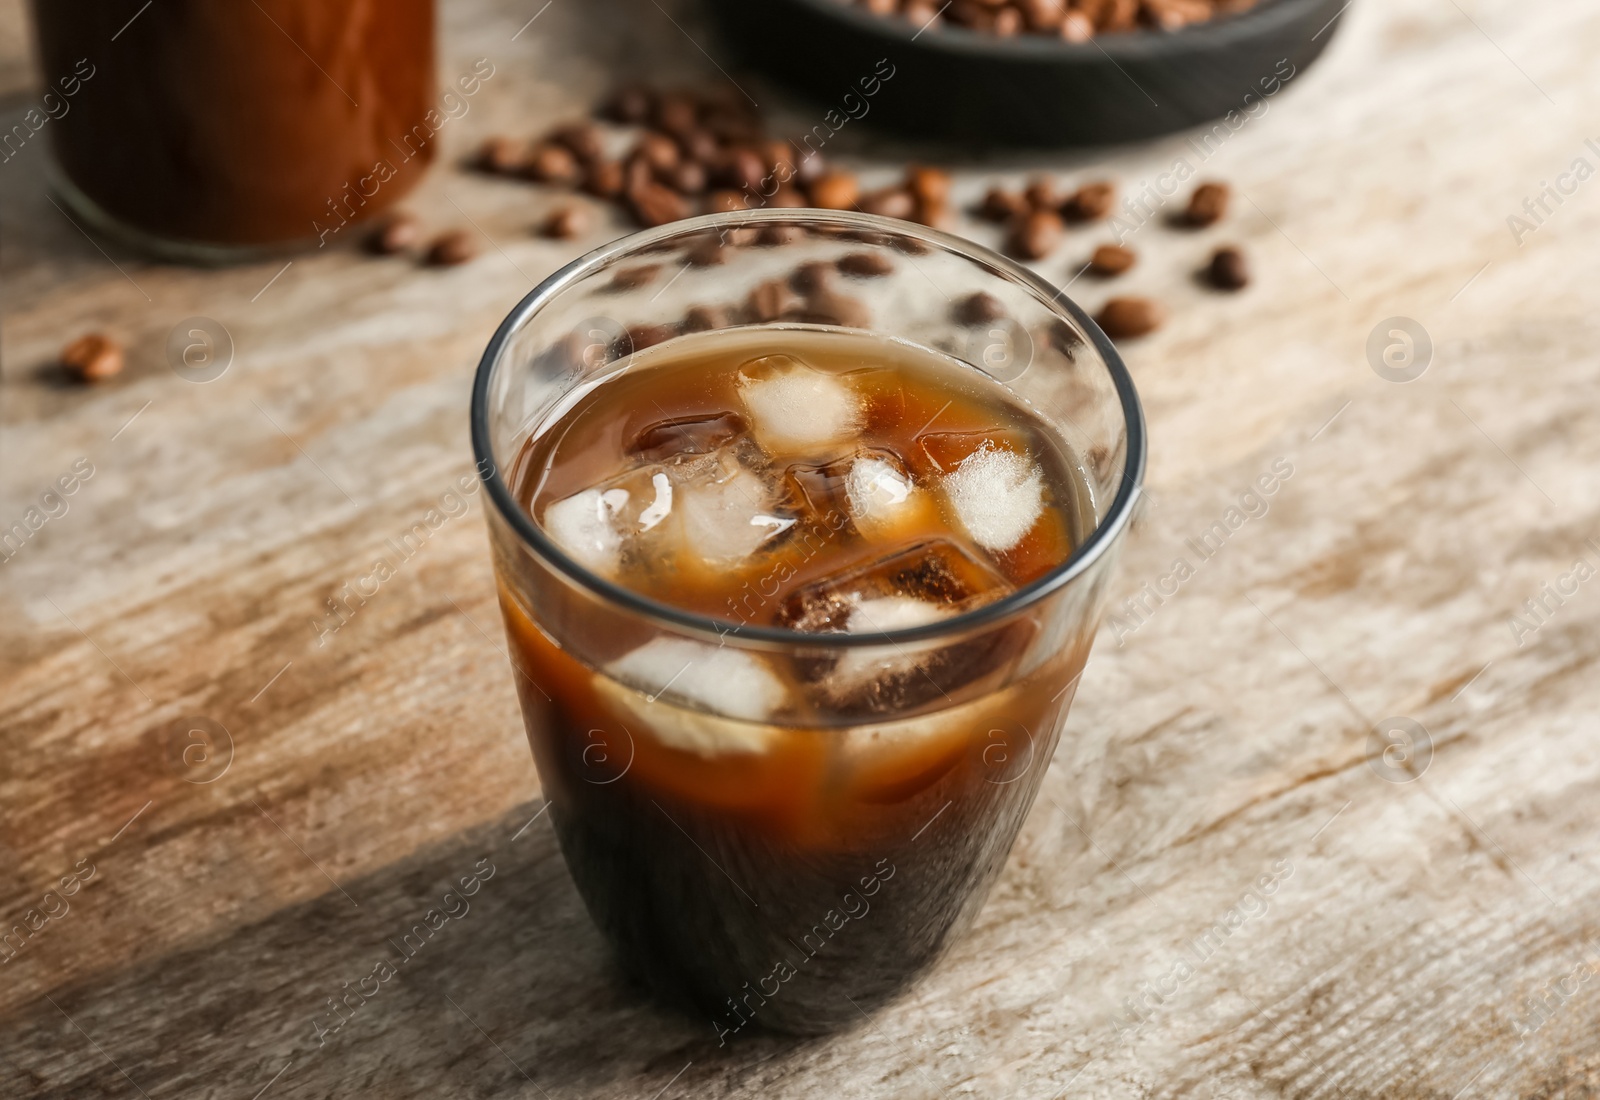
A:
[(92, 357), (604, 179), (1000, 205), (503, 156), (1125, 318), (811, 277), (631, 105), (865, 265), (688, 177), (452, 247), (836, 191), (582, 139), (708, 253), (397, 233), (640, 337), (551, 163), (787, 198), (1110, 260), (890, 202), (705, 319), (771, 300), (1042, 194), (567, 222), (928, 185), (632, 278), (1208, 205), (658, 151), (777, 235), (1036, 234), (726, 202), (1090, 203), (653, 205), (979, 309), (1228, 269), (829, 307)]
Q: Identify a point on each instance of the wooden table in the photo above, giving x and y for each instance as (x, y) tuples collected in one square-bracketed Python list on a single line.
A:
[(1429, 938)]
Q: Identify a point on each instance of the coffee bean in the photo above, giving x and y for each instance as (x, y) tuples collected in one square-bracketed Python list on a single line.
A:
[(865, 265), (604, 179), (726, 202), (688, 177), (653, 205), (1076, 27), (740, 169), (1110, 260), (658, 151), (648, 336), (787, 198), (708, 253), (502, 156), (631, 105), (928, 185), (771, 300), (676, 113), (452, 247), (700, 146), (397, 233), (1042, 193), (828, 307), (567, 222), (1035, 235), (1090, 203), (1228, 269), (1008, 23), (1208, 205), (778, 235), (979, 309), (1125, 318), (835, 191), (552, 163), (1000, 205), (582, 139), (811, 277), (92, 357), (889, 202), (1042, 15), (705, 319), (808, 168), (632, 278)]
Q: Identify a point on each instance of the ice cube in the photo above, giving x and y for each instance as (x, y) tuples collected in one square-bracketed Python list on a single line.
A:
[(726, 511), (935, 572), (688, 435), (926, 583), (794, 408), (664, 684), (997, 496), (584, 525), (599, 527), (872, 487)]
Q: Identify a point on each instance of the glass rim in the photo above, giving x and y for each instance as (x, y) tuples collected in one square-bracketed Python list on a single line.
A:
[(1118, 513)]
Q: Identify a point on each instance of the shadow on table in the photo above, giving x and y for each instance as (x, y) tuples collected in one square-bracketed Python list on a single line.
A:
[(411, 986)]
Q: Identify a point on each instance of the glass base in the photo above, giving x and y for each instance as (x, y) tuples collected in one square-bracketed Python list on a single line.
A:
[(173, 250)]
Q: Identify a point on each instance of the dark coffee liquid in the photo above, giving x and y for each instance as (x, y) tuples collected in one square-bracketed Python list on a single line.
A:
[(796, 856), (236, 123)]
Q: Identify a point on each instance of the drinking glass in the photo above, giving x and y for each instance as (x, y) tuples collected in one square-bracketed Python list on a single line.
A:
[(758, 874)]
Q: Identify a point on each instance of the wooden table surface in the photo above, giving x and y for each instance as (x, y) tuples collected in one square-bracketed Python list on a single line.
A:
[(1428, 938)]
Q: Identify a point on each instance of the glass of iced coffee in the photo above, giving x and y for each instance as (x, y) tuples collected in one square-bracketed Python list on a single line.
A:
[(802, 523)]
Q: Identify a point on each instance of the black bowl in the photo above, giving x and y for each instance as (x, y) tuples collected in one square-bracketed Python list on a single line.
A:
[(958, 85)]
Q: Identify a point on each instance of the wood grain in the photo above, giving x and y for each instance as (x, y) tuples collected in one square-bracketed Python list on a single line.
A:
[(1226, 738)]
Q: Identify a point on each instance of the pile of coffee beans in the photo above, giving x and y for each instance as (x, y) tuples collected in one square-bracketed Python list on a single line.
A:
[(1071, 20), (686, 153)]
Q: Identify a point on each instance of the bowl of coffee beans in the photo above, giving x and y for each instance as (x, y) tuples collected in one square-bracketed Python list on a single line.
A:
[(1040, 73)]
